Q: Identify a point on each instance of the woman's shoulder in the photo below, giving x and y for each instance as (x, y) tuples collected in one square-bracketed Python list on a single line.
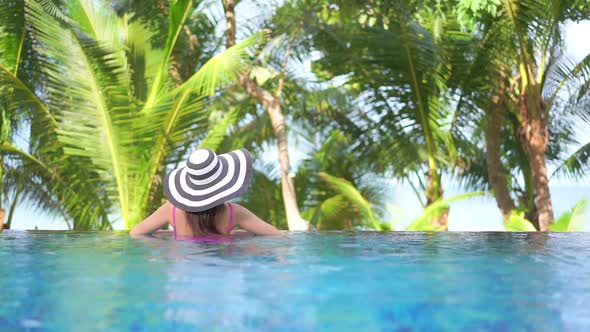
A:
[(250, 222)]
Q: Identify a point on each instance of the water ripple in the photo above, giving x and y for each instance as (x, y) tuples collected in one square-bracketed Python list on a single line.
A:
[(338, 281)]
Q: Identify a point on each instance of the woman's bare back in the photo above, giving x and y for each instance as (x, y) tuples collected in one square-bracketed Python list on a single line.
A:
[(222, 223)]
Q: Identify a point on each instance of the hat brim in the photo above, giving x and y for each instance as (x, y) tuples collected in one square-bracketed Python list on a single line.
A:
[(231, 182)]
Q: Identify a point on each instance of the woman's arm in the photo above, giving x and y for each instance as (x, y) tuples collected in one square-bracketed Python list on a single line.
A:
[(250, 222), (154, 222)]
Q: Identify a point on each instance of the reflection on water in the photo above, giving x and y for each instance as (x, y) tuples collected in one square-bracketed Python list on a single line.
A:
[(330, 281)]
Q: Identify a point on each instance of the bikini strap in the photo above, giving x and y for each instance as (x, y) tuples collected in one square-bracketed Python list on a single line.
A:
[(174, 220), (231, 218)]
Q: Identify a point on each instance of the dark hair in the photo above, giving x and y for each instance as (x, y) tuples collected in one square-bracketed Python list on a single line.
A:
[(204, 221)]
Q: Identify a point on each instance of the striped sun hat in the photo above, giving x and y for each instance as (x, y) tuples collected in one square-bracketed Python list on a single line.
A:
[(208, 179)]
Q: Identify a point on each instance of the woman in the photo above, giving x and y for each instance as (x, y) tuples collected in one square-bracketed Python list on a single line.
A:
[(198, 195)]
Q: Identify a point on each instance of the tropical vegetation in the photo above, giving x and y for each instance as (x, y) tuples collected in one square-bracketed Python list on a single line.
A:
[(99, 98)]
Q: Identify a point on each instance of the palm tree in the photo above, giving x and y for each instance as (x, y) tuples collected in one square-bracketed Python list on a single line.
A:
[(23, 112), (519, 58), (403, 59), (273, 104), (114, 119), (10, 56)]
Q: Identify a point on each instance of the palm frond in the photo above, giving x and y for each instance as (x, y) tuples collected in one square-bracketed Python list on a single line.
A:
[(219, 70), (54, 189), (219, 129), (349, 191), (422, 223), (178, 13), (573, 220), (144, 60), (22, 97), (518, 223), (95, 20), (86, 87), (576, 165), (568, 73), (334, 213), (12, 34)]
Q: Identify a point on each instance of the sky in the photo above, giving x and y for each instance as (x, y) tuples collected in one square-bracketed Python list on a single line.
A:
[(476, 214)]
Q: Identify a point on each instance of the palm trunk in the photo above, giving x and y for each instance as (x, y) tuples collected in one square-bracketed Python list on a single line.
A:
[(526, 198), (272, 104), (294, 219), (434, 192), (496, 175), (19, 190), (534, 136), (542, 195), (12, 208), (273, 107)]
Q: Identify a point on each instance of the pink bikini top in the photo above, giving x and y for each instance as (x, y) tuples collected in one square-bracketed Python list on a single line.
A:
[(206, 239)]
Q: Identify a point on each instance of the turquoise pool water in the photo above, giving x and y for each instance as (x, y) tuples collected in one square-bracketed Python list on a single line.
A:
[(302, 282)]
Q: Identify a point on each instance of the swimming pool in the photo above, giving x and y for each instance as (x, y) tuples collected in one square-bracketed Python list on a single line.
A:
[(450, 281)]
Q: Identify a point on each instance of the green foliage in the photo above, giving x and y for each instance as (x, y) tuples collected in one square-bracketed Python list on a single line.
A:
[(331, 214), (577, 164), (519, 63), (349, 191), (219, 128), (373, 48), (423, 223), (573, 220), (570, 221), (469, 12), (110, 105), (403, 60), (77, 196), (338, 157), (112, 93), (518, 223), (264, 196)]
